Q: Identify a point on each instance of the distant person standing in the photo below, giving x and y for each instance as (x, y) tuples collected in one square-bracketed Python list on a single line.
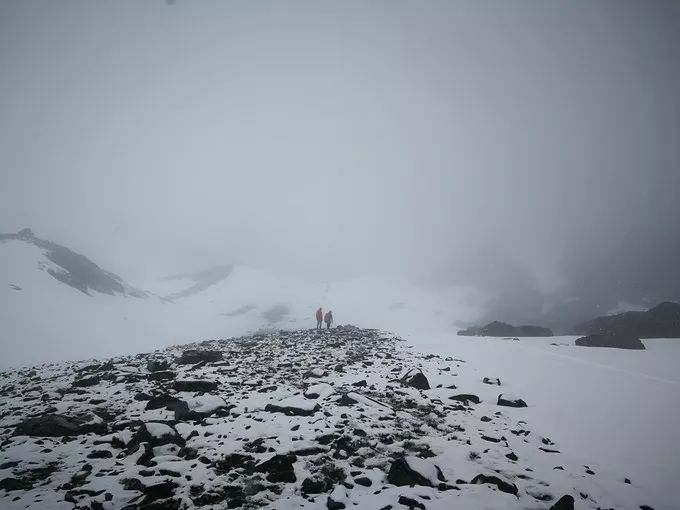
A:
[(319, 318), (328, 318)]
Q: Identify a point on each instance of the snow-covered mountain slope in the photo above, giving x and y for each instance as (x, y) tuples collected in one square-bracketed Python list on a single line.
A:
[(67, 266), (345, 418), (45, 317)]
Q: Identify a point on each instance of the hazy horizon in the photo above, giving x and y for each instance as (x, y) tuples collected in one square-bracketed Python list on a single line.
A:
[(529, 149)]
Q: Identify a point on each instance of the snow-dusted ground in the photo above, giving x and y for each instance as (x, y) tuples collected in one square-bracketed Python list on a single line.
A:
[(318, 418), (617, 406)]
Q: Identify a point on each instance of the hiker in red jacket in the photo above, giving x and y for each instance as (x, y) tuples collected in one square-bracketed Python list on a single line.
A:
[(328, 318), (319, 317)]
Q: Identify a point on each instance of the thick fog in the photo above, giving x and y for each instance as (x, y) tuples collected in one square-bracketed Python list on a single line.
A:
[(531, 148)]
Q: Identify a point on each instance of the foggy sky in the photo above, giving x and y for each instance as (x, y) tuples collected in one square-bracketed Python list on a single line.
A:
[(518, 146)]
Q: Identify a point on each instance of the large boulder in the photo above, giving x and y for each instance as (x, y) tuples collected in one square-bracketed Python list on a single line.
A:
[(609, 339), (57, 425), (15, 484), (164, 400), (161, 375), (297, 405), (414, 471), (156, 434), (279, 468), (415, 379), (503, 329), (198, 408), (85, 382), (199, 385), (192, 356), (157, 365), (661, 321), (566, 502)]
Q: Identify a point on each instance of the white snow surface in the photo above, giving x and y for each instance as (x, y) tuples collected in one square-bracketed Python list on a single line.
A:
[(205, 403), (159, 430), (298, 402)]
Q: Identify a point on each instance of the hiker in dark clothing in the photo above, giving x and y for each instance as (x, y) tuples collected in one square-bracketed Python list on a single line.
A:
[(319, 318), (328, 318)]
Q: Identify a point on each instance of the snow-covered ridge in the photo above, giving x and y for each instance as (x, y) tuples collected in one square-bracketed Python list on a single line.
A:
[(49, 313), (74, 269), (303, 419)]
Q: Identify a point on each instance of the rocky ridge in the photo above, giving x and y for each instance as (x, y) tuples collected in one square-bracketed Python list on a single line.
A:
[(304, 419)]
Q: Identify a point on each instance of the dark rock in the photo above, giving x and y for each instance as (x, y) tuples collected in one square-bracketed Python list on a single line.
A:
[(234, 461), (143, 435), (190, 357), (331, 504), (363, 480), (14, 484), (345, 400), (154, 494), (55, 425), (502, 485), (411, 503), (100, 454), (313, 486), (87, 381), (466, 398), (360, 384), (279, 468), (161, 375), (312, 450), (495, 381), (566, 502), (400, 474), (146, 456), (291, 411), (157, 365), (502, 329), (415, 380), (490, 439), (167, 401), (511, 402), (197, 385), (608, 339)]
